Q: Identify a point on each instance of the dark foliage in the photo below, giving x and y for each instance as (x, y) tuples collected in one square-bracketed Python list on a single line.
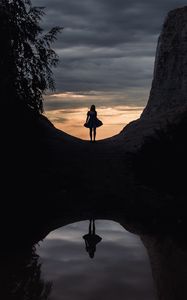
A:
[(162, 161), (26, 56), (21, 276)]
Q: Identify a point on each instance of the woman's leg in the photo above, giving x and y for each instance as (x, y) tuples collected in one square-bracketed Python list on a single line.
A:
[(93, 224), (90, 227), (91, 134), (94, 133)]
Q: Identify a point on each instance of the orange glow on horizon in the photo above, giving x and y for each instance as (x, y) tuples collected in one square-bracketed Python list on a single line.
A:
[(114, 120)]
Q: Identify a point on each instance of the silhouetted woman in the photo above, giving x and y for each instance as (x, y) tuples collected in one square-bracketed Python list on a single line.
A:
[(92, 122), (91, 239)]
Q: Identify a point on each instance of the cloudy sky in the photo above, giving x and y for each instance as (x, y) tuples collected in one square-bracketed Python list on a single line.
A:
[(120, 268), (106, 52)]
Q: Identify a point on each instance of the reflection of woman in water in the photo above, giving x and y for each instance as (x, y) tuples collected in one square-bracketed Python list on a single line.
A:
[(92, 122), (91, 239)]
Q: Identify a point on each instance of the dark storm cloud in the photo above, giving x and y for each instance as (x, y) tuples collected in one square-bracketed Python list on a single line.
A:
[(100, 23), (106, 44), (106, 22), (69, 104)]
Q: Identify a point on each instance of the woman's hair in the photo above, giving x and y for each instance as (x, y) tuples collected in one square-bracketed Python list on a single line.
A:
[(92, 108)]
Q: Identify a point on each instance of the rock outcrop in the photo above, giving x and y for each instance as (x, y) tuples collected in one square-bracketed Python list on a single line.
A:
[(169, 86), (167, 100)]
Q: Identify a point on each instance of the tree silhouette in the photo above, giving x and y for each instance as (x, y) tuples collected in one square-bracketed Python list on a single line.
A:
[(26, 56), (21, 277)]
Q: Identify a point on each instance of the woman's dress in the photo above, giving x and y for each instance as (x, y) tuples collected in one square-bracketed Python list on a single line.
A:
[(93, 121)]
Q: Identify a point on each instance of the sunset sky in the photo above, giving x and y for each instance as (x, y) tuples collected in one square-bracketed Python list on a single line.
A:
[(106, 52)]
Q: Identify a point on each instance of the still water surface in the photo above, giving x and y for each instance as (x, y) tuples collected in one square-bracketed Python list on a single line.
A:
[(120, 267)]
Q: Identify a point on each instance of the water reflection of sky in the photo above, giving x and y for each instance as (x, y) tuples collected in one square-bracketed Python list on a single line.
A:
[(120, 268)]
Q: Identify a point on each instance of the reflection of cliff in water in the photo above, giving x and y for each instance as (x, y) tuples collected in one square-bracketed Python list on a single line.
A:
[(168, 258)]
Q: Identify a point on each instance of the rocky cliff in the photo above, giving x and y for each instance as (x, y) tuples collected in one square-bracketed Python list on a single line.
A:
[(169, 86), (167, 101)]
